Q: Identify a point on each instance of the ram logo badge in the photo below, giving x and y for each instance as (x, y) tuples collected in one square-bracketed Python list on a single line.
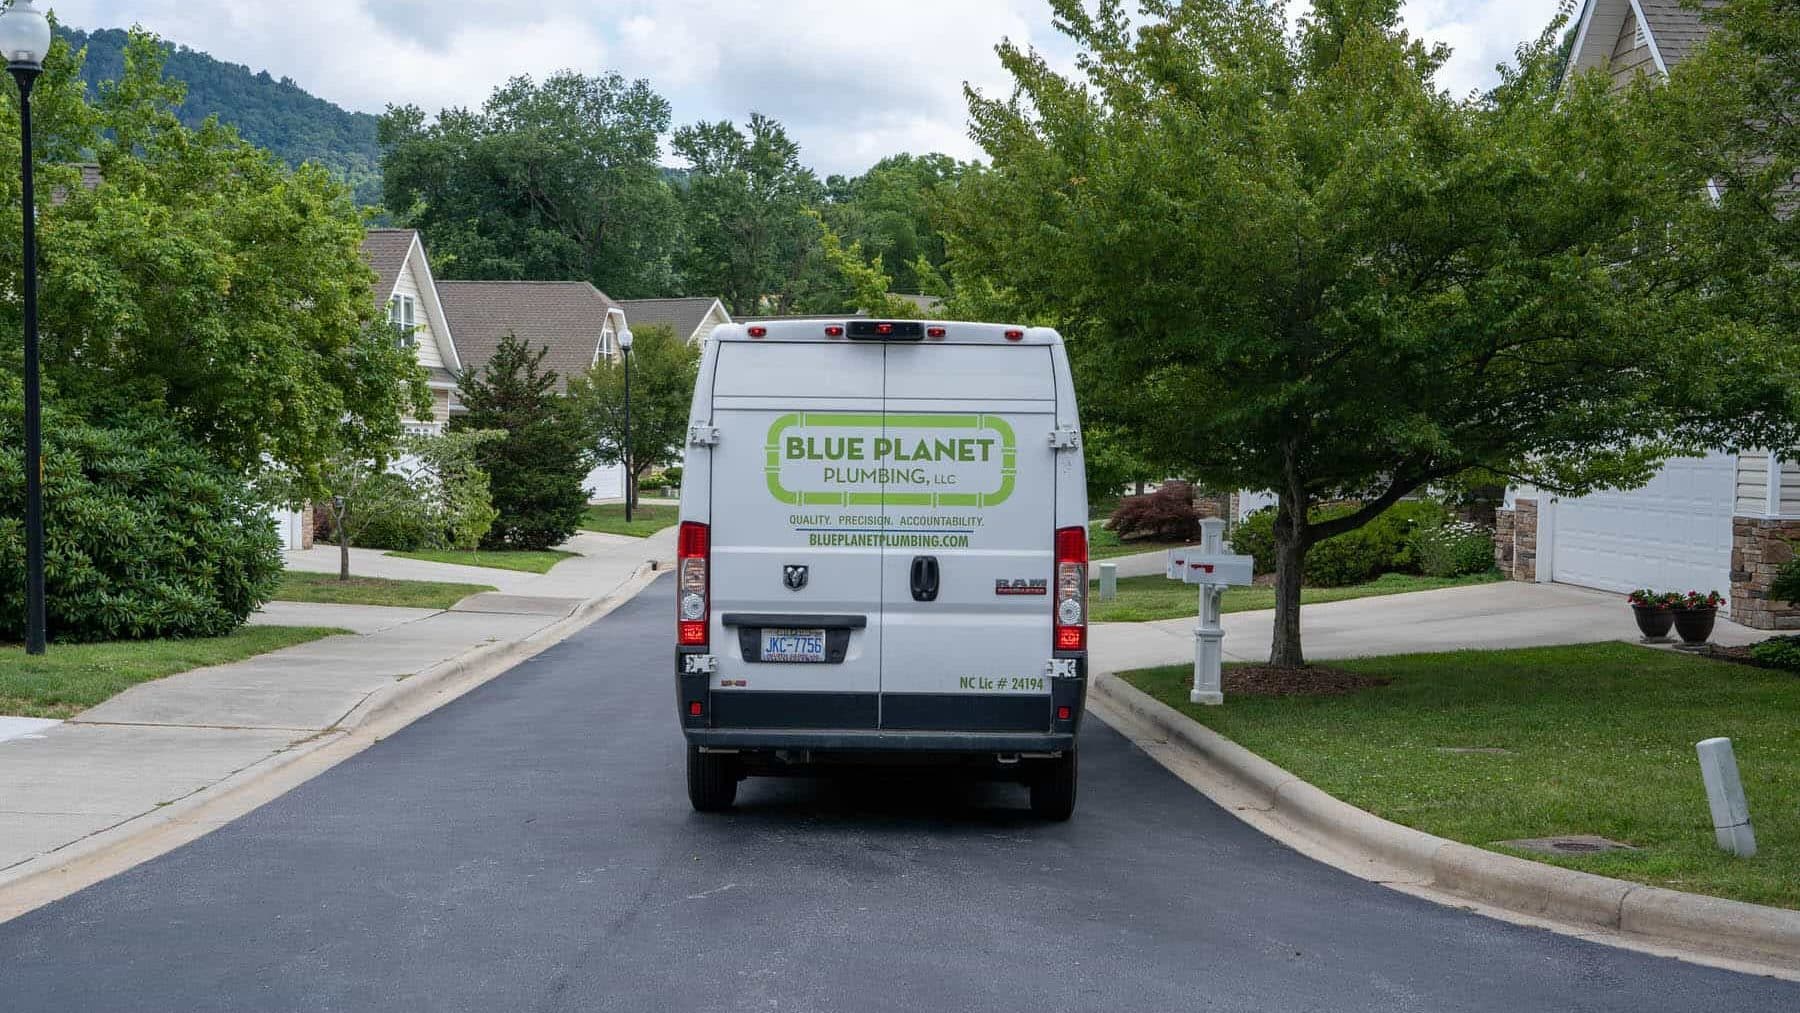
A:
[(1039, 586), (794, 576)]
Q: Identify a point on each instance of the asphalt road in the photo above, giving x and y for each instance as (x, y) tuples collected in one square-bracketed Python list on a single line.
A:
[(531, 847)]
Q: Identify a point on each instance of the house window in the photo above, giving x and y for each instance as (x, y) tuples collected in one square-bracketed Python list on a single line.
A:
[(402, 313)]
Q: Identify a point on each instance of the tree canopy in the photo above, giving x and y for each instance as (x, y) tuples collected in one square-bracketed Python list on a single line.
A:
[(202, 279), (1294, 263), (662, 388), (551, 180)]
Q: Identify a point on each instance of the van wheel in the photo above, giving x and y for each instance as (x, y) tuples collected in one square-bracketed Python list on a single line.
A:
[(712, 780), (1053, 790)]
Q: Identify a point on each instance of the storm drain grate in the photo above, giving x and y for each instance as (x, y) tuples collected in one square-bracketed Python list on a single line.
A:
[(1573, 844)]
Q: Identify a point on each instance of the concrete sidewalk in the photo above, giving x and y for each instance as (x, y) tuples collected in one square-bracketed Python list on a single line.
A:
[(1484, 616), (165, 741), (601, 555)]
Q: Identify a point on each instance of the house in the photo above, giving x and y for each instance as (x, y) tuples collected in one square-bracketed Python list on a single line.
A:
[(575, 321), (406, 291), (692, 318), (1723, 521)]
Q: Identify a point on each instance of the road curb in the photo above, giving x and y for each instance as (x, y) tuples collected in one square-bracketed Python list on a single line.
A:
[(1578, 901), (57, 874)]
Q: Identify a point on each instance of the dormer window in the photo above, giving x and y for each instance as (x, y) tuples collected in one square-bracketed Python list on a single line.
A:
[(402, 313)]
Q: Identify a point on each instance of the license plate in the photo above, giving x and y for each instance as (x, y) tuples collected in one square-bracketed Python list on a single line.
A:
[(793, 645)]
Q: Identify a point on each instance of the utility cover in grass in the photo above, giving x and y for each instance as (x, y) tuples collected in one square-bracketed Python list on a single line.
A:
[(1568, 844)]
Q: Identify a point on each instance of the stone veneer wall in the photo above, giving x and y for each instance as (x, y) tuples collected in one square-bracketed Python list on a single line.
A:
[(1758, 548), (1515, 540)]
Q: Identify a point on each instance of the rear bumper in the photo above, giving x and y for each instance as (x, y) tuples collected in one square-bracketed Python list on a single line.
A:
[(881, 741), (892, 723)]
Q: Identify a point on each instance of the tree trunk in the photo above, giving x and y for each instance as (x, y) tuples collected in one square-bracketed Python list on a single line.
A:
[(1291, 541)]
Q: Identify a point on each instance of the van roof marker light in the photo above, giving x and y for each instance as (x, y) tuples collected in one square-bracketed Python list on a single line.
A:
[(834, 331), (1015, 335), (935, 332), (758, 332)]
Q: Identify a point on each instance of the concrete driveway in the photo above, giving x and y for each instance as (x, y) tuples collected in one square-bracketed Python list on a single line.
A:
[(1486, 616)]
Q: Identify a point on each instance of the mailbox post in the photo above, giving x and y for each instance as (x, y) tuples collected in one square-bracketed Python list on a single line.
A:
[(1213, 571)]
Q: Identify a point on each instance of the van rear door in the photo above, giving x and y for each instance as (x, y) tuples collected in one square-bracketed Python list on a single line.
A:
[(796, 601), (967, 561)]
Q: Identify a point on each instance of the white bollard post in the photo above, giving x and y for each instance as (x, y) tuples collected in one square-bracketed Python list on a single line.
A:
[(1209, 636), (1725, 794), (1109, 581)]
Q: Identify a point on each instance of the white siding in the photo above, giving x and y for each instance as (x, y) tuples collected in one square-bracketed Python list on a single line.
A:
[(1753, 486), (426, 339), (714, 318)]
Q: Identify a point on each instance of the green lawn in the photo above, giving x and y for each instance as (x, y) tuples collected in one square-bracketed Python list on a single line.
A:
[(1103, 544), (326, 588), (646, 518), (528, 560), (1142, 599), (73, 677), (1600, 739)]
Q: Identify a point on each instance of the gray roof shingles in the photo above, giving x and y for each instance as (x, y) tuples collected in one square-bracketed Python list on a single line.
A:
[(564, 316), (386, 250), (1676, 28), (682, 315)]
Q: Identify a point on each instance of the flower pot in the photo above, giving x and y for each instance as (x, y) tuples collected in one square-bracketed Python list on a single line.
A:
[(1653, 620), (1695, 626)]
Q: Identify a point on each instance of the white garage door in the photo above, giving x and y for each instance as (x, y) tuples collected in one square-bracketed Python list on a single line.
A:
[(1674, 534)]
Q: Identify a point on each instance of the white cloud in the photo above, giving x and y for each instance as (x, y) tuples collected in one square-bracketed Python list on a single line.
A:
[(852, 79)]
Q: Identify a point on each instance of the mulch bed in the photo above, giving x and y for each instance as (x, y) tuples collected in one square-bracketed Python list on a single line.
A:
[(1314, 680)]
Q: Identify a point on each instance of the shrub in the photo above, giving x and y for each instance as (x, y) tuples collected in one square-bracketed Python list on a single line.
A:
[(147, 536), (1786, 585), (1384, 545), (1165, 515), (1453, 549), (392, 515), (673, 474), (1781, 652)]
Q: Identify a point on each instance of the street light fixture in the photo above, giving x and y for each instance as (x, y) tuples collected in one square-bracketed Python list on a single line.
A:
[(24, 41), (625, 353)]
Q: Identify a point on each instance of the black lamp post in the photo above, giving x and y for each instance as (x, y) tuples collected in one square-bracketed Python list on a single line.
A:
[(24, 40), (625, 353)]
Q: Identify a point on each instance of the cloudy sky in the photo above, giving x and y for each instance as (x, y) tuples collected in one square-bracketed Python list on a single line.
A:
[(852, 79)]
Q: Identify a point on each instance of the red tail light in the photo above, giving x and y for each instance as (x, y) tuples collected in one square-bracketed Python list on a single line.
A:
[(1070, 601), (884, 328), (693, 585)]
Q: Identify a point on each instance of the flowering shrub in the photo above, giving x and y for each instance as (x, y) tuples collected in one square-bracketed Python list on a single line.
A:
[(1678, 600), (1453, 549)]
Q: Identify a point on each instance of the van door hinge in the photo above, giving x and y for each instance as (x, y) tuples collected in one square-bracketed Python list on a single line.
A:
[(1061, 668), (699, 664), (1065, 438), (703, 436)]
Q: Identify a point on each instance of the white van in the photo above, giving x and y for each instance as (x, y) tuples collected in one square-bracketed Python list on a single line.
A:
[(883, 554)]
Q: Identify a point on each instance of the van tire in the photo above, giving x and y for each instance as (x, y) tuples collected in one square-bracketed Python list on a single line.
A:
[(1053, 790), (712, 780)]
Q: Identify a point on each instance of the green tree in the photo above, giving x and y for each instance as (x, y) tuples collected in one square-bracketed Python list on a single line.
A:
[(535, 473), (662, 389), (1729, 121), (892, 212), (1295, 263), (549, 181), (750, 235), (454, 492), (201, 279)]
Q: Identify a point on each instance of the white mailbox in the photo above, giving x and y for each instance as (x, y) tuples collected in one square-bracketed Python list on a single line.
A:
[(1210, 568), (1224, 571)]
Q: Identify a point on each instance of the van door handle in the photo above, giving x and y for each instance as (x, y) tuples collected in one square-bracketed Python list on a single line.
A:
[(924, 578)]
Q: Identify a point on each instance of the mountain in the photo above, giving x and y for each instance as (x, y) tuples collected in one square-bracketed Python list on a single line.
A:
[(275, 114)]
